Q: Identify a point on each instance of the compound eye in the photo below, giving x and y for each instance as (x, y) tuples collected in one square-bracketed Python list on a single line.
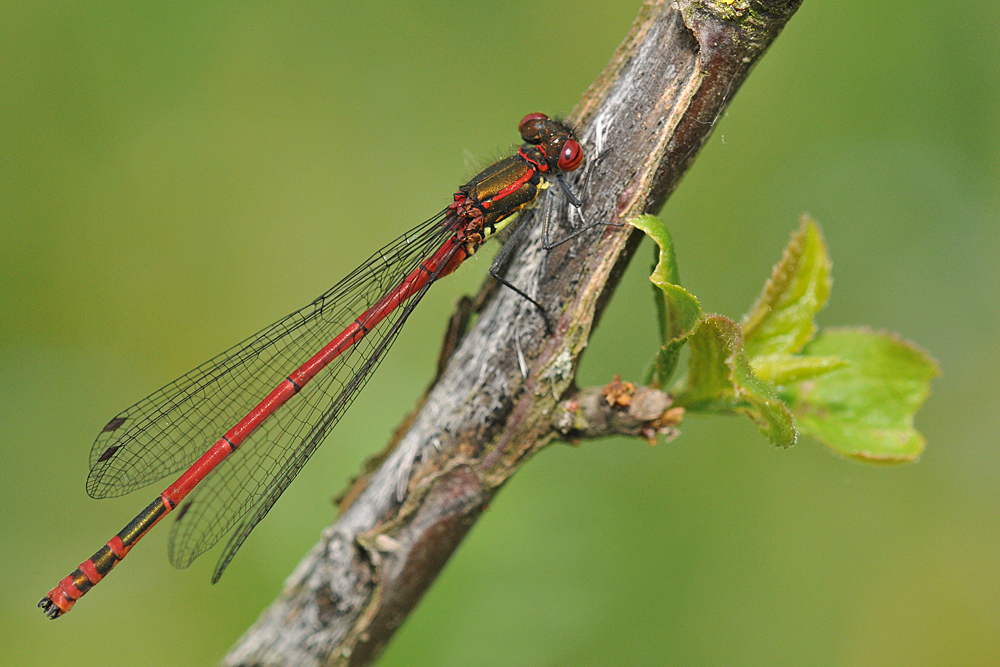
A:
[(570, 156), (530, 117)]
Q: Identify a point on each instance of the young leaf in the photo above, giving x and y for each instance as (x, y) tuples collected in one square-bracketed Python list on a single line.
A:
[(782, 369), (720, 378), (781, 322), (678, 310), (865, 409)]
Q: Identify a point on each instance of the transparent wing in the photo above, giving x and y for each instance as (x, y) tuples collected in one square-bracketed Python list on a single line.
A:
[(167, 431), (382, 340), (253, 477)]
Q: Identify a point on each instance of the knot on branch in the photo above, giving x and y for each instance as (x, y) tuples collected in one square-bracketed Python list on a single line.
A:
[(618, 408)]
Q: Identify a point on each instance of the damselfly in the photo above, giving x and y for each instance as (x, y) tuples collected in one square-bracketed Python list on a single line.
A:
[(243, 424)]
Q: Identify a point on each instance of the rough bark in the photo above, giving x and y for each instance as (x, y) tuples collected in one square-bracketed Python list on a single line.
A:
[(496, 401)]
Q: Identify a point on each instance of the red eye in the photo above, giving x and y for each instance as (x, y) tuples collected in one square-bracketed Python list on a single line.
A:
[(530, 117), (571, 155)]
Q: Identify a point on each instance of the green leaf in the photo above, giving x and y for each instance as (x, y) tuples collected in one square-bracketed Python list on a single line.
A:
[(708, 385), (666, 270), (865, 409), (720, 379), (781, 322), (678, 310), (782, 369)]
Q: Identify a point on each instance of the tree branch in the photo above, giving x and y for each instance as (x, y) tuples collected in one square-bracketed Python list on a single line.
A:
[(654, 106)]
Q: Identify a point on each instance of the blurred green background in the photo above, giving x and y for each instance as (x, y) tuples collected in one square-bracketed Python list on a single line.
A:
[(174, 176)]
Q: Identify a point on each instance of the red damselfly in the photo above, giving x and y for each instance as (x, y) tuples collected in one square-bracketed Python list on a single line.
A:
[(243, 424)]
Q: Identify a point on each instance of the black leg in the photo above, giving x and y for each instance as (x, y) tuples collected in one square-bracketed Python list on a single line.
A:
[(501, 259), (547, 243), (515, 239)]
